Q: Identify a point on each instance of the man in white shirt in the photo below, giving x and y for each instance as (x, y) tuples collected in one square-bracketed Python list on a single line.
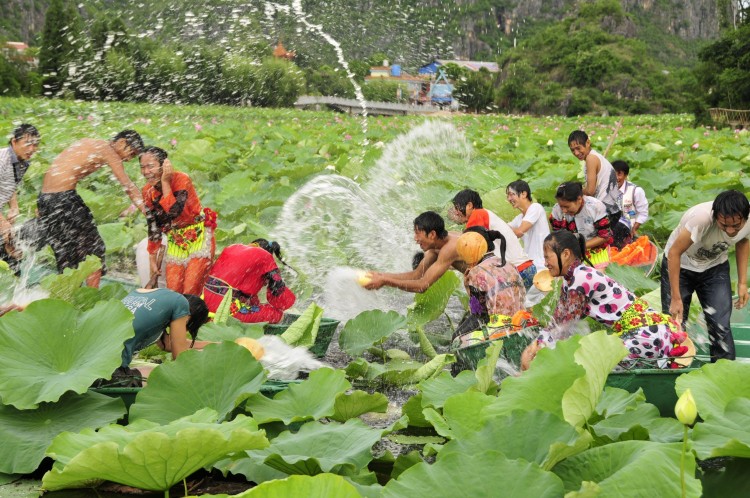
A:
[(634, 202), (696, 261), (531, 225)]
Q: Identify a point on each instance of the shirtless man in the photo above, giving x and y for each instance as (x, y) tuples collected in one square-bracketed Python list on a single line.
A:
[(440, 254), (68, 223)]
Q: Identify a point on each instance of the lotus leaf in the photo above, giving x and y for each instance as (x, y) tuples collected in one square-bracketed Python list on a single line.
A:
[(358, 402), (630, 468), (368, 328), (230, 330), (304, 330), (732, 480), (318, 486), (641, 422), (412, 374), (317, 448), (51, 348), (26, 434), (518, 436), (482, 474), (431, 303), (153, 458), (117, 236), (616, 401), (486, 369), (632, 279), (219, 377), (312, 399), (462, 413), (63, 286), (414, 411), (715, 385), (725, 435), (438, 389)]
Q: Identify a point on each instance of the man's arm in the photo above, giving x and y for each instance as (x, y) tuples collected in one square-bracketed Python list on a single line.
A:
[(592, 170), (595, 242), (681, 244), (525, 227), (13, 208), (421, 284), (429, 259), (115, 164), (742, 251)]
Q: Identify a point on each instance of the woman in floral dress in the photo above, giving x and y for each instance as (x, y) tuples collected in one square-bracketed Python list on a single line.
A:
[(647, 334), (173, 208)]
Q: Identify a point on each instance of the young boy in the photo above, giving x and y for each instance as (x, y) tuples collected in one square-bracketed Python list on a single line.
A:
[(601, 183), (634, 202)]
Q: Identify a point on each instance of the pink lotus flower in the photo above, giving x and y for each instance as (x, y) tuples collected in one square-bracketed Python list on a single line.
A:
[(213, 121), (198, 127), (90, 118), (347, 137), (173, 142), (706, 133), (80, 118), (695, 146), (678, 128)]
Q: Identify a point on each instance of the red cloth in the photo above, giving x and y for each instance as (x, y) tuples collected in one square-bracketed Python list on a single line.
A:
[(479, 218), (160, 207), (247, 269)]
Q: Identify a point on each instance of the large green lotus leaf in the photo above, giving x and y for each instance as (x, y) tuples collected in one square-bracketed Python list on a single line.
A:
[(6, 478), (312, 399), (461, 413), (725, 435), (318, 486), (430, 304), (154, 459), (641, 422), (438, 389), (543, 385), (488, 473), (51, 348), (26, 434), (534, 436), (598, 354), (485, 373), (317, 448), (616, 401), (62, 286), (304, 330), (410, 376), (118, 237), (356, 403), (230, 331), (631, 278), (414, 411), (219, 377), (367, 328), (630, 468), (715, 385), (84, 298)]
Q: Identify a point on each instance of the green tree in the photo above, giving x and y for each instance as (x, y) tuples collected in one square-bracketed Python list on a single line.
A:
[(61, 37), (10, 78), (384, 91), (279, 83), (724, 73), (476, 92)]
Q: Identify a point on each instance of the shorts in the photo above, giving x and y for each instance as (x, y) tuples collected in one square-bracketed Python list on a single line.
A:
[(70, 229)]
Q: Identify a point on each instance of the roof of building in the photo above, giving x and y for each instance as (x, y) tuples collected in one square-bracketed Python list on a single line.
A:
[(20, 46), (432, 67)]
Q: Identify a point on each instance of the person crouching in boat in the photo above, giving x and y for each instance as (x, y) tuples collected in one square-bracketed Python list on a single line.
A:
[(245, 270), (586, 215), (647, 334), (496, 289)]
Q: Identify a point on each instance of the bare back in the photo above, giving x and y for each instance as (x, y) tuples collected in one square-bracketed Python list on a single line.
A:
[(77, 162)]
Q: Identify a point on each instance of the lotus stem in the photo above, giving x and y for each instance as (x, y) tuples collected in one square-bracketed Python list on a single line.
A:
[(682, 462), (184, 485)]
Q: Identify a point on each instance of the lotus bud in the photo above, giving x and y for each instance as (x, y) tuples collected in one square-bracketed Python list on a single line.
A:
[(685, 409), (550, 143), (363, 278), (678, 142)]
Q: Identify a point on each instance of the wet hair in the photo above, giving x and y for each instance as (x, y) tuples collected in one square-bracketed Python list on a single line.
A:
[(430, 221), (578, 137), (569, 191), (273, 248), (519, 186), (159, 153), (621, 167), (416, 259), (198, 315), (731, 203), (563, 239), (489, 236), (22, 130), (463, 198), (132, 139)]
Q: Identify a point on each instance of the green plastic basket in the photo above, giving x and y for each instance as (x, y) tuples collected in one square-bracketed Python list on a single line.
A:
[(657, 384), (322, 341), (468, 357)]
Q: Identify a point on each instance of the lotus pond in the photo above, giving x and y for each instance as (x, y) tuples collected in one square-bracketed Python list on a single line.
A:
[(391, 420)]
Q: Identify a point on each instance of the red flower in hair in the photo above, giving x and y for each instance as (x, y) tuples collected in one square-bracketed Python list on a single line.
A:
[(210, 217)]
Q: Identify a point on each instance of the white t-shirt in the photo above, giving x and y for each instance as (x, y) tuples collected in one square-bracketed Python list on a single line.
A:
[(710, 243), (514, 253), (607, 190), (533, 239)]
